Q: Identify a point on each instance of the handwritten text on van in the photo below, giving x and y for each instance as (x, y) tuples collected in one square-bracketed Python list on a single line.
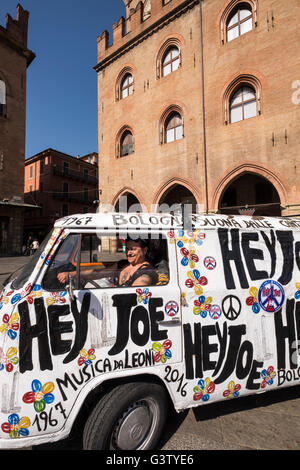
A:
[(258, 246)]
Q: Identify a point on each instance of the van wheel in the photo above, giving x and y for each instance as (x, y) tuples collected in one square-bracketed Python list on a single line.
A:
[(129, 417)]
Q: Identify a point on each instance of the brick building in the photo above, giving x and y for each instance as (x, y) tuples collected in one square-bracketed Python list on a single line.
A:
[(15, 57), (199, 101), (59, 184)]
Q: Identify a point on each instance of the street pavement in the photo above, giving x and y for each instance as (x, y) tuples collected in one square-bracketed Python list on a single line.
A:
[(268, 421)]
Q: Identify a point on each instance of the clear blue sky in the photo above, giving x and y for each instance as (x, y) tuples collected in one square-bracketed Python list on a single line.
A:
[(61, 81)]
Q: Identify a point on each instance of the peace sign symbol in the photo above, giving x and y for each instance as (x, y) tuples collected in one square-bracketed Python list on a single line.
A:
[(171, 308), (231, 306)]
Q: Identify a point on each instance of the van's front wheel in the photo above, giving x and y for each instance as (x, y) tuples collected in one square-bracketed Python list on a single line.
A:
[(129, 417)]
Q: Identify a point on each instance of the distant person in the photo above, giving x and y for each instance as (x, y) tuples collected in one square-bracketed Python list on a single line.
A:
[(28, 246), (34, 246)]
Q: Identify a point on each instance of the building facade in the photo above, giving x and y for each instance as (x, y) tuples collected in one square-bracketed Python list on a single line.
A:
[(15, 57), (198, 102), (59, 184)]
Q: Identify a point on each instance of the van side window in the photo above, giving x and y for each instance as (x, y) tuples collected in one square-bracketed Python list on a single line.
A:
[(63, 263), (105, 262)]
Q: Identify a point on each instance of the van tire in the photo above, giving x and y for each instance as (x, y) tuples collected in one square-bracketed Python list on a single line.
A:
[(129, 417)]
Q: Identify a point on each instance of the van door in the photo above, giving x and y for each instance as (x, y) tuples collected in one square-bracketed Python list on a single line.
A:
[(133, 325)]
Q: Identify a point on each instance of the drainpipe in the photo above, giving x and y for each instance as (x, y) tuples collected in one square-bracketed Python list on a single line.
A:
[(203, 110)]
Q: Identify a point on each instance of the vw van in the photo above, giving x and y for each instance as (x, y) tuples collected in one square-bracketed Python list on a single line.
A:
[(220, 320)]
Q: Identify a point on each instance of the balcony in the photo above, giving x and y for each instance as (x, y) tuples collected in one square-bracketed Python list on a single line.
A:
[(75, 175)]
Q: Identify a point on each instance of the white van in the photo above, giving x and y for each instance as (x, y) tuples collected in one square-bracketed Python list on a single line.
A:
[(214, 316)]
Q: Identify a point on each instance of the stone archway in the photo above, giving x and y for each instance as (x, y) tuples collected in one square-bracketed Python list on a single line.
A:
[(176, 198), (253, 191), (128, 202)]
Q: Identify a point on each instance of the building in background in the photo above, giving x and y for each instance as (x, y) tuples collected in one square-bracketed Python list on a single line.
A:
[(15, 57), (199, 103), (59, 184)]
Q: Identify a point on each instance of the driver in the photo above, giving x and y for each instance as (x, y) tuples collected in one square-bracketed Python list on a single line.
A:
[(137, 272)]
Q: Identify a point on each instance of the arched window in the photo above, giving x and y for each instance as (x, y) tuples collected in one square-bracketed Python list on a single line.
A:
[(170, 61), (240, 21), (126, 143), (173, 128), (169, 57), (126, 86), (125, 83), (2, 98), (242, 104), (242, 99)]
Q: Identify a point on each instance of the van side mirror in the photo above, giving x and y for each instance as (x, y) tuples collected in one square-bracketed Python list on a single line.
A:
[(69, 287)]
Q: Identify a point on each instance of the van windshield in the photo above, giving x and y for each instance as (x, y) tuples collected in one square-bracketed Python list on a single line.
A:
[(21, 278)]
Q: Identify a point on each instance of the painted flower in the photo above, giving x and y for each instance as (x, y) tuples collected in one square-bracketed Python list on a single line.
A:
[(252, 300), (267, 376), (233, 390), (56, 297), (199, 237), (16, 426), (162, 351), (203, 390), (189, 257), (196, 281), (10, 325), (86, 357), (36, 292), (143, 295), (8, 360), (4, 299), (40, 395), (186, 237), (202, 306)]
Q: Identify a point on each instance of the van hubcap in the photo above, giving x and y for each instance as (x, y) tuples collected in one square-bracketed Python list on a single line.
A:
[(134, 428)]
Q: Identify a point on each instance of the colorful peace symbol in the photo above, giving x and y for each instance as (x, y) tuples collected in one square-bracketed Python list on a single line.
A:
[(171, 308), (209, 262), (215, 312), (271, 296)]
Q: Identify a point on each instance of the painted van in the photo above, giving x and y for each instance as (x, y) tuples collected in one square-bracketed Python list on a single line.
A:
[(221, 321)]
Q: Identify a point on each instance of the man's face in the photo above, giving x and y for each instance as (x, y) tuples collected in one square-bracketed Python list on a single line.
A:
[(135, 253)]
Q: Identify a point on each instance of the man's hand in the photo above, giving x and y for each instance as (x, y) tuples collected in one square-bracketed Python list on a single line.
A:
[(63, 277)]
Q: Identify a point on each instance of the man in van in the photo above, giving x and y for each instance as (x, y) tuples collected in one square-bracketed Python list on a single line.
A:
[(137, 271)]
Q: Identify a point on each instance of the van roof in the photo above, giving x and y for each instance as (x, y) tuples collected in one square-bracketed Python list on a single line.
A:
[(154, 221)]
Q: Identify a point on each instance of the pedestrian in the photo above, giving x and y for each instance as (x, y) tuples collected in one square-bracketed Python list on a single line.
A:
[(28, 245), (34, 246)]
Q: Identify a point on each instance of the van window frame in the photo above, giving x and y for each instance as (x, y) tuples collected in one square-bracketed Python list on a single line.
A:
[(62, 288), (122, 233), (172, 278)]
